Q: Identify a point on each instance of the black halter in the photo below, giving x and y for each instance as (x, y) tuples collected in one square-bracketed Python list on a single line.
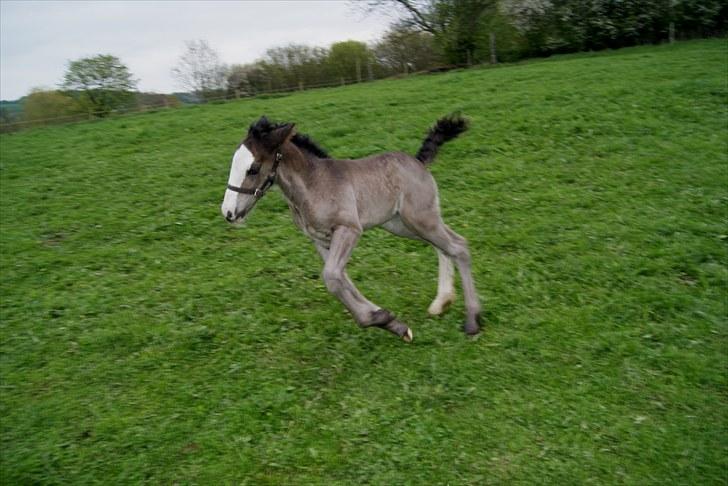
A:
[(267, 183)]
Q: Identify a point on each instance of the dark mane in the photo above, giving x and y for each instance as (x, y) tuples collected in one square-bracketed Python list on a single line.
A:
[(300, 140), (304, 142)]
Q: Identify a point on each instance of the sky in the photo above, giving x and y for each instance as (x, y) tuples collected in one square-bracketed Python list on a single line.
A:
[(39, 38)]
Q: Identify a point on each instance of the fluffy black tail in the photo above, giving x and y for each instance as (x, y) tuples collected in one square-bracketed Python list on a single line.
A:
[(445, 129)]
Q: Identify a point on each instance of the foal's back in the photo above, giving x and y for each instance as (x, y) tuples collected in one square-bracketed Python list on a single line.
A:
[(377, 187)]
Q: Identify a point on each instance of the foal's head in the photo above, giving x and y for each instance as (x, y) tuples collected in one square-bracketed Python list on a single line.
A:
[(253, 168)]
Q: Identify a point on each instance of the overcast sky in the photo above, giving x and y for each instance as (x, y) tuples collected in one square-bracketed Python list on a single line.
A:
[(38, 38)]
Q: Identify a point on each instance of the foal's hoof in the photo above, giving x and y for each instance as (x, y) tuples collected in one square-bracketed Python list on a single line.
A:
[(440, 305), (384, 319), (471, 328), (400, 329), (408, 337)]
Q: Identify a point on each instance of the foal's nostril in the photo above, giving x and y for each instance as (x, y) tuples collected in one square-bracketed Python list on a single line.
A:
[(229, 216)]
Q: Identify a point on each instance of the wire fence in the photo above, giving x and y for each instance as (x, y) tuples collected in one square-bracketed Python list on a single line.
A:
[(362, 76), (15, 125)]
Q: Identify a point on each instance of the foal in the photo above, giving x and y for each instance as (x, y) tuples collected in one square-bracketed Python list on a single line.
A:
[(333, 201)]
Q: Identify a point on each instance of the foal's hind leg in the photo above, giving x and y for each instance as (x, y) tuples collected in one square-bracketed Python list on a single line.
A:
[(445, 285), (429, 226), (365, 313)]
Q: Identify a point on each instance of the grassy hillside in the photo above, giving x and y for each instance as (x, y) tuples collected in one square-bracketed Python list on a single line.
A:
[(145, 340)]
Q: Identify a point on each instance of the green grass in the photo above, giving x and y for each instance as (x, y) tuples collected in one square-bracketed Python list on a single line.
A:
[(145, 340)]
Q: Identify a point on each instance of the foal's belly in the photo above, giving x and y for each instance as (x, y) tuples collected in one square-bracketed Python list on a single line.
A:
[(378, 220), (377, 210)]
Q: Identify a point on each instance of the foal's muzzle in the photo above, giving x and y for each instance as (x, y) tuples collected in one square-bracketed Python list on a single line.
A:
[(237, 217)]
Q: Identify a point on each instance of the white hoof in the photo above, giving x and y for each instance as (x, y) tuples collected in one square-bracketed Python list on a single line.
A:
[(439, 305), (408, 336), (435, 309)]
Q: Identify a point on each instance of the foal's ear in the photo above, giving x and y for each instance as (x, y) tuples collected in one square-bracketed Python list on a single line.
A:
[(279, 136)]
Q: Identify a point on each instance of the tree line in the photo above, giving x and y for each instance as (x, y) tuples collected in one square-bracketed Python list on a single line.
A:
[(428, 35)]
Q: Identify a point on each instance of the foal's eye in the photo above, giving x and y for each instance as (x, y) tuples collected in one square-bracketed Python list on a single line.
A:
[(254, 169)]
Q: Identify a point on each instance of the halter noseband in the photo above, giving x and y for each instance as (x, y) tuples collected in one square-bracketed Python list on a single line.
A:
[(267, 183)]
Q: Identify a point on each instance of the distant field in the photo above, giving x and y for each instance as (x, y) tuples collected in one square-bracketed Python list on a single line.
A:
[(145, 340)]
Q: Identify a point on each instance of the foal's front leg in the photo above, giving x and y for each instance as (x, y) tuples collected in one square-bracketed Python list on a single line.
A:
[(366, 314)]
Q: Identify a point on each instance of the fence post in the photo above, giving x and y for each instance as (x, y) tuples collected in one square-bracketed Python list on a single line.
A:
[(300, 86), (358, 70), (493, 54), (370, 73)]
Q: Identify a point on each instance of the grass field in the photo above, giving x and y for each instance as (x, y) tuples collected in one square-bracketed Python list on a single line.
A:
[(144, 340)]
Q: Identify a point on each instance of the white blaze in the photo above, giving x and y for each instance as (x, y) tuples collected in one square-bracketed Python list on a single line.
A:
[(242, 160)]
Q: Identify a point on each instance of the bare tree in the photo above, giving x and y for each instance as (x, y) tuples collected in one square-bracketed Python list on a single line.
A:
[(200, 70), (402, 49), (456, 25)]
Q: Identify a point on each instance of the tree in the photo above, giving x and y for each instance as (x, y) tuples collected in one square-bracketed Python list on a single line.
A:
[(462, 28), (101, 83), (200, 70), (44, 106), (297, 65), (403, 49), (349, 59), (574, 25), (237, 81), (700, 17), (457, 25), (252, 78)]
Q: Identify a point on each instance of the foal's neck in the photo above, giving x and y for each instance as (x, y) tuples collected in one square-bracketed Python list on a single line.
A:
[(295, 165)]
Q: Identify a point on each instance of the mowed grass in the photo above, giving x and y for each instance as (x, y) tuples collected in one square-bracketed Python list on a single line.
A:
[(146, 341)]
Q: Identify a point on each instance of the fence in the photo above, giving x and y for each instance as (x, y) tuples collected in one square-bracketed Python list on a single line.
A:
[(363, 74), (99, 115)]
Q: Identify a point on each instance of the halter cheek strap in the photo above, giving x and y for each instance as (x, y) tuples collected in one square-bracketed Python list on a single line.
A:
[(267, 183)]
